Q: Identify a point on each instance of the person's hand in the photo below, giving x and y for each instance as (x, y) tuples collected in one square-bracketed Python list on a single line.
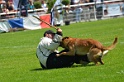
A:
[(59, 30)]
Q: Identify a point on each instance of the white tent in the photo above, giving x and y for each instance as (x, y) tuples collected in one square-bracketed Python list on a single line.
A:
[(4, 26)]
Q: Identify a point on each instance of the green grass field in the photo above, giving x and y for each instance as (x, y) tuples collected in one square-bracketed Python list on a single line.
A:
[(18, 62)]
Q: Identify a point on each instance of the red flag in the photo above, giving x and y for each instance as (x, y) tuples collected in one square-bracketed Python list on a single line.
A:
[(46, 18)]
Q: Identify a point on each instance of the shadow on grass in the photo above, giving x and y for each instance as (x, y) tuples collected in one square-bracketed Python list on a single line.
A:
[(37, 69), (74, 66)]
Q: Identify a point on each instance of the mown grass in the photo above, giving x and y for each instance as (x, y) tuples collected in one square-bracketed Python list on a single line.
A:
[(18, 62)]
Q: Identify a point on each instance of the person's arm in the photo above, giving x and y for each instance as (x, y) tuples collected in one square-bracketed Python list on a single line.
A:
[(59, 32), (49, 44), (58, 36)]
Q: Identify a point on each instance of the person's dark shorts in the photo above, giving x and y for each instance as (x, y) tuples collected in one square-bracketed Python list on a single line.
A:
[(59, 62), (63, 61)]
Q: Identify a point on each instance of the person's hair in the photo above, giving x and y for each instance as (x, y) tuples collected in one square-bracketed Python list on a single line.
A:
[(48, 32)]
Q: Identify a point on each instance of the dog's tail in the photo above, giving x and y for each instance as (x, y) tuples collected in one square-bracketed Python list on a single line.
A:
[(112, 45), (105, 50)]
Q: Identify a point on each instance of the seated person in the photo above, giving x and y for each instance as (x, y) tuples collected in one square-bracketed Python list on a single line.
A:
[(47, 50), (6, 11), (10, 7)]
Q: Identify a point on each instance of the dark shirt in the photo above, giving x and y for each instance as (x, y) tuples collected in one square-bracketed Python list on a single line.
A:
[(10, 8)]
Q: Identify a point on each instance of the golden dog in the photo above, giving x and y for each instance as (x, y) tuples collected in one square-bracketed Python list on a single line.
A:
[(93, 48)]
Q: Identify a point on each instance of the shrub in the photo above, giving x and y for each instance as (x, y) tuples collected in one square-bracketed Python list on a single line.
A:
[(37, 4), (65, 2), (50, 4)]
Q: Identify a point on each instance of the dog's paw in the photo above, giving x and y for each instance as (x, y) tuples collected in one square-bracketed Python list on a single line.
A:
[(57, 55)]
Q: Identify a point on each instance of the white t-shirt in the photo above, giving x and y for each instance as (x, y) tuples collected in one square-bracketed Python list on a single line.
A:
[(75, 1), (44, 5)]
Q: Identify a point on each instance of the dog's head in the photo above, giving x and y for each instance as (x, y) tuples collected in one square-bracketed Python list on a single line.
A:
[(64, 42)]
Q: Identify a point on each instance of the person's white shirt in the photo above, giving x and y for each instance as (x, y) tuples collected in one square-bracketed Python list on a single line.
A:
[(44, 5), (46, 47), (75, 1)]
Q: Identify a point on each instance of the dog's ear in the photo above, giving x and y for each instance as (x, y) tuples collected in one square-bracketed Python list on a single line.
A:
[(65, 38)]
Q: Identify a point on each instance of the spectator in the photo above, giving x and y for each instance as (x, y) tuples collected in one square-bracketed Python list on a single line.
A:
[(99, 9), (73, 2), (23, 7), (5, 10), (86, 11), (30, 4), (1, 5), (44, 5), (10, 6), (77, 10)]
